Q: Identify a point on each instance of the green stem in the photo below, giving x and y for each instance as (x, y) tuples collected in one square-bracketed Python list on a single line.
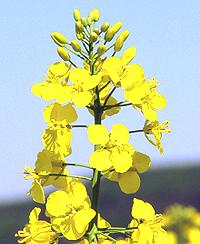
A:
[(135, 131), (72, 176), (77, 165)]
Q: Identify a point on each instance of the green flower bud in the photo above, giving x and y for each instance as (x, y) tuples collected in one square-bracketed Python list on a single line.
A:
[(63, 53), (59, 38), (79, 27), (93, 36), (105, 26), (120, 40), (84, 21), (76, 45), (79, 36), (96, 30), (77, 14), (89, 21), (112, 31), (101, 49)]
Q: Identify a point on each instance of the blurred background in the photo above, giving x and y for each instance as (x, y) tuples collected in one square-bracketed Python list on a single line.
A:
[(166, 35)]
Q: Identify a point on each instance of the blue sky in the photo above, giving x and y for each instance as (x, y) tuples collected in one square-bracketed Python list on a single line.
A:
[(166, 35)]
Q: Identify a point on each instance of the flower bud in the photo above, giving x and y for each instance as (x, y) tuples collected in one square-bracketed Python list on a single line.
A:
[(101, 49), (77, 14), (96, 30), (76, 45), (120, 40), (79, 36), (63, 53), (93, 36), (84, 21), (59, 38), (79, 27), (112, 31), (96, 14), (105, 26), (89, 21)]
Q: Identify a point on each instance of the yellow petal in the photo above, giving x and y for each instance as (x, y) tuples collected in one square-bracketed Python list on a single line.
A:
[(58, 113), (58, 69), (129, 182), (98, 134), (149, 113), (82, 99), (100, 160), (37, 192), (120, 134), (141, 162), (82, 218), (121, 160), (134, 76), (34, 214), (113, 66), (57, 204), (142, 210), (128, 55)]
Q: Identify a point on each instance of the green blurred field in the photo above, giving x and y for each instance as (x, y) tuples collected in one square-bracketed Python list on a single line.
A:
[(159, 187)]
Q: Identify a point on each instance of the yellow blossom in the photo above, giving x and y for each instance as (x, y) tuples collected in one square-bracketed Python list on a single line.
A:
[(156, 129), (70, 211), (83, 83), (37, 231), (126, 76), (129, 182), (57, 137), (55, 86), (149, 224), (114, 152)]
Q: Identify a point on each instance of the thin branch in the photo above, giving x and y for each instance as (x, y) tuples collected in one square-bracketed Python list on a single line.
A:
[(79, 126), (72, 176), (104, 86), (109, 95), (73, 64), (78, 165), (121, 104), (135, 131)]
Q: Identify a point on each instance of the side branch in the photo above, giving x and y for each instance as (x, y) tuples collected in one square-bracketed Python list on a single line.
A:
[(135, 131)]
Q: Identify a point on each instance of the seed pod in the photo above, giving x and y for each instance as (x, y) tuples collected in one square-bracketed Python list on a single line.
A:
[(77, 14), (76, 45), (79, 27), (84, 21), (63, 53), (101, 49), (120, 40), (59, 38), (105, 26), (112, 31), (93, 36)]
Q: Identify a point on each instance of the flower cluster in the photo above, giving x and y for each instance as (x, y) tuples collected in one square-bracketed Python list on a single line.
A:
[(72, 213)]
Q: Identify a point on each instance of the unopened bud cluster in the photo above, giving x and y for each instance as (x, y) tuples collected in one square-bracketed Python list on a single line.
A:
[(89, 36)]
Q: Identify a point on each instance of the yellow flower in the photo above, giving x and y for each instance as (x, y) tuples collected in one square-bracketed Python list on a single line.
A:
[(70, 211), (57, 137), (149, 224), (156, 129), (125, 76), (36, 190), (37, 231), (82, 84), (114, 150), (129, 182), (146, 98), (47, 163), (55, 86)]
